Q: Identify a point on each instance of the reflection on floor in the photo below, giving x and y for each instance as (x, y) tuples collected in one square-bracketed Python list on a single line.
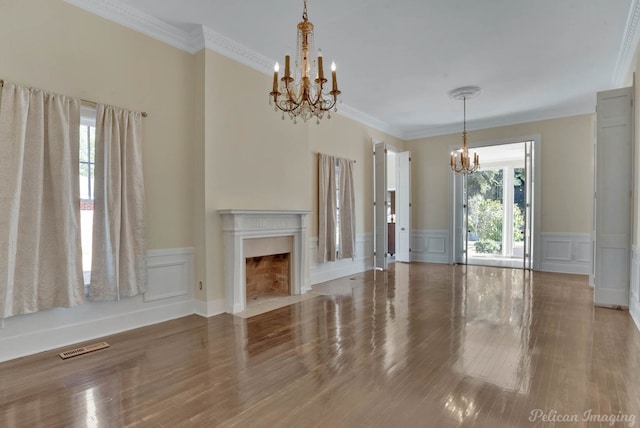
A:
[(498, 260), (421, 345)]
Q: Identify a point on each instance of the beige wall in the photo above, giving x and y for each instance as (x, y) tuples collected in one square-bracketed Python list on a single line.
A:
[(211, 142), (566, 177), (57, 47), (255, 160)]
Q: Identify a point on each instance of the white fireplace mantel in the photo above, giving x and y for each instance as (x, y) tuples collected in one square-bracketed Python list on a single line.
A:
[(240, 225)]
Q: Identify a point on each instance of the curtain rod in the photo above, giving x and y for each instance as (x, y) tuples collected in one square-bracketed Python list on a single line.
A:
[(93, 103), (336, 157)]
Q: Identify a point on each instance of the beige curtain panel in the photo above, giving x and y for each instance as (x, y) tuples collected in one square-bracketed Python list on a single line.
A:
[(40, 250), (346, 202), (326, 208), (119, 246)]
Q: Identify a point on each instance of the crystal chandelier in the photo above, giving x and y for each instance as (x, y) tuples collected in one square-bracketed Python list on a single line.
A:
[(298, 95), (460, 160)]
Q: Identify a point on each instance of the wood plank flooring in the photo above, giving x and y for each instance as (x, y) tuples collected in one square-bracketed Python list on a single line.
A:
[(422, 345)]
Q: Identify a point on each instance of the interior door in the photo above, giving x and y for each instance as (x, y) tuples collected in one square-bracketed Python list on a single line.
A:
[(614, 115), (527, 262), (380, 204), (403, 207)]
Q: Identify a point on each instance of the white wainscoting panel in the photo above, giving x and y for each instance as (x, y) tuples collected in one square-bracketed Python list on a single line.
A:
[(168, 296), (169, 273), (566, 253), (430, 246), (634, 294), (344, 267)]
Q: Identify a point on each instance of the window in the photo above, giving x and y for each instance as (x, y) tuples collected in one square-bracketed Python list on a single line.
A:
[(87, 162)]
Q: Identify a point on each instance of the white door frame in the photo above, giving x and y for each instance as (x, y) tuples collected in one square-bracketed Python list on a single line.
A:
[(537, 152), (391, 148), (403, 206)]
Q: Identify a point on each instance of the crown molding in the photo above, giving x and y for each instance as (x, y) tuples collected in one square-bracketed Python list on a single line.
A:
[(236, 51), (365, 119), (496, 122), (630, 40), (203, 37), (117, 12)]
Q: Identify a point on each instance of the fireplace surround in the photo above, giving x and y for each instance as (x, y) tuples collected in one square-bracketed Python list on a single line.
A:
[(244, 231)]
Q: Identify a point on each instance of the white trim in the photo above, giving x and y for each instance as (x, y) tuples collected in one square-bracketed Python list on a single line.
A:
[(168, 297), (204, 37), (240, 225), (566, 253), (537, 193), (496, 122), (634, 292), (120, 13), (431, 246), (209, 308), (170, 273), (344, 267), (365, 119), (628, 46)]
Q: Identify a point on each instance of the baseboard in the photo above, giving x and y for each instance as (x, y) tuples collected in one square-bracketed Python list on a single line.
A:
[(340, 268), (566, 253), (209, 308), (49, 336), (338, 271), (168, 296), (634, 310), (431, 246)]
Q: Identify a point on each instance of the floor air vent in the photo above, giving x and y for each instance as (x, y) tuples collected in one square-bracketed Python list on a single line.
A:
[(83, 350)]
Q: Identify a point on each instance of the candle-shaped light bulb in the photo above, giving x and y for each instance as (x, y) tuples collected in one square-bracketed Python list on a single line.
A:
[(320, 70), (275, 77), (287, 69), (334, 81)]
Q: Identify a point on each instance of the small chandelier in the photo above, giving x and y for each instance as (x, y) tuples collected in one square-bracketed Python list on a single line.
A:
[(462, 164), (298, 95)]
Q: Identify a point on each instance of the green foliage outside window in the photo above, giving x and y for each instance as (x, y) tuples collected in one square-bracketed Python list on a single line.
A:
[(486, 211)]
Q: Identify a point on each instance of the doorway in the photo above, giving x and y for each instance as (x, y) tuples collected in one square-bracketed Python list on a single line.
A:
[(494, 213), (392, 206)]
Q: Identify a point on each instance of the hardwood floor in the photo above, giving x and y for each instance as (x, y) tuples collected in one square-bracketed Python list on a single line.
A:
[(422, 345)]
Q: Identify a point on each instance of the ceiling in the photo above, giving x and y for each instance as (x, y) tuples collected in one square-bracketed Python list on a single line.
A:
[(397, 60)]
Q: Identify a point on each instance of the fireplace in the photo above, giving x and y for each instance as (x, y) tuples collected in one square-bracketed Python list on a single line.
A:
[(266, 277), (252, 235)]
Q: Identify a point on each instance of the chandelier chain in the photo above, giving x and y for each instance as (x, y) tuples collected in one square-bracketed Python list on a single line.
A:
[(464, 125), (461, 161)]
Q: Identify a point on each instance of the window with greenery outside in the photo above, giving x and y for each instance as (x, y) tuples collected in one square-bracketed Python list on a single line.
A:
[(485, 190)]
